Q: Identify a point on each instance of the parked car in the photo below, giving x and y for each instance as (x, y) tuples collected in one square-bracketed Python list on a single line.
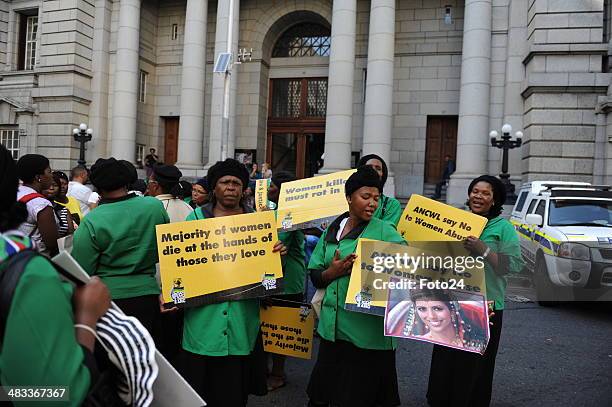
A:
[(565, 230)]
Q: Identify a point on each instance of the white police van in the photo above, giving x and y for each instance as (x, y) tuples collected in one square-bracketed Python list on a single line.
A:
[(565, 230)]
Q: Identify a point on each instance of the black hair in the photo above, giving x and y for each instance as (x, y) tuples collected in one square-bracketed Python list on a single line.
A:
[(31, 165), (363, 160), (499, 194), (60, 175), (12, 213)]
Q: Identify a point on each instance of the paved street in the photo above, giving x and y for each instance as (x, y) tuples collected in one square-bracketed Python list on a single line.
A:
[(548, 357)]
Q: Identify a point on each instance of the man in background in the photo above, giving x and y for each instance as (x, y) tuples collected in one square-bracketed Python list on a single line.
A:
[(76, 188), (449, 168)]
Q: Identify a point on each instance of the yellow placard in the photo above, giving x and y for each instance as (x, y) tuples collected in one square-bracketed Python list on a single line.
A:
[(312, 201), (427, 220), (288, 330), (261, 194), (219, 259), (378, 262)]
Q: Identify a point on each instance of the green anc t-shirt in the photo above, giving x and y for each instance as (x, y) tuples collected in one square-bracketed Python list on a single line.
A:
[(117, 242), (223, 329), (362, 330)]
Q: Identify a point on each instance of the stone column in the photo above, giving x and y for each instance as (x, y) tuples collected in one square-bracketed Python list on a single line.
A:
[(515, 74), (125, 96), (98, 109), (473, 132), (378, 112), (216, 115), (191, 125), (338, 123)]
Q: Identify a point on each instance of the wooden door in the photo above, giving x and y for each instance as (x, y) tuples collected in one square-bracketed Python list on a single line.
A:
[(171, 129), (441, 140)]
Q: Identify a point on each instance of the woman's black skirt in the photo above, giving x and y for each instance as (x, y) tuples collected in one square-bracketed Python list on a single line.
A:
[(464, 379), (347, 376), (226, 381)]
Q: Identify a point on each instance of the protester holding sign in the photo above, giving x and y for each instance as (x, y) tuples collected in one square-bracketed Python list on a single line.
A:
[(389, 209), (294, 273), (460, 378), (223, 359), (39, 344), (117, 241), (356, 362)]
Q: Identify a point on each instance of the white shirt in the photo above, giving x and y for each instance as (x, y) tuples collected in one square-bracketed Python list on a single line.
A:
[(177, 209), (30, 226), (81, 193)]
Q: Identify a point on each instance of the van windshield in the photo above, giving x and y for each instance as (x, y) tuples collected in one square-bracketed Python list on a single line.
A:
[(565, 212)]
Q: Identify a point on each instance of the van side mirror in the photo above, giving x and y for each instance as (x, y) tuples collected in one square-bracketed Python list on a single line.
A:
[(534, 219)]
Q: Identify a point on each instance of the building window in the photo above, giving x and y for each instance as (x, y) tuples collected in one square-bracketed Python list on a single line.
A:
[(140, 154), (299, 98), (142, 86), (9, 138), (174, 31), (28, 40), (304, 40)]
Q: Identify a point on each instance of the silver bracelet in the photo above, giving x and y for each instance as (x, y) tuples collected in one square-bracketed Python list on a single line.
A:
[(87, 328), (486, 253)]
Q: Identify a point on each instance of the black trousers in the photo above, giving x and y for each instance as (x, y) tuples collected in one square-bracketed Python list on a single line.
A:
[(463, 379), (145, 309)]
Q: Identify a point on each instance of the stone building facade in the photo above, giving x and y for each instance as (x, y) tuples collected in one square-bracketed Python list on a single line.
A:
[(411, 80)]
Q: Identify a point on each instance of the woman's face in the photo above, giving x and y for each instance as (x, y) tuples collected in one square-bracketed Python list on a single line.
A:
[(198, 194), (480, 199), (46, 177), (63, 187), (228, 191), (254, 167), (50, 190), (377, 165), (363, 202), (434, 314)]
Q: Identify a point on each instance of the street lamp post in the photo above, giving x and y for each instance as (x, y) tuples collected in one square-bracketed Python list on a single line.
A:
[(506, 143), (82, 135)]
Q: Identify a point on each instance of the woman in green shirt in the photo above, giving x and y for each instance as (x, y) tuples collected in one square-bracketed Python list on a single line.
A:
[(40, 345), (459, 378), (117, 242), (389, 209), (223, 359), (356, 362)]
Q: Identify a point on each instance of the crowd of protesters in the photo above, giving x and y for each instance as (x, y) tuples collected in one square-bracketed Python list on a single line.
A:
[(216, 347)]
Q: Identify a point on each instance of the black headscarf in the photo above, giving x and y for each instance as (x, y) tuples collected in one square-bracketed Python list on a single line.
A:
[(499, 193), (31, 165), (365, 176), (12, 213), (228, 167), (363, 160), (282, 176), (110, 174), (131, 169), (203, 183)]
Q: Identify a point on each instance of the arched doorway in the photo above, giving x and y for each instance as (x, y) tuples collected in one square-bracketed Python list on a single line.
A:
[(298, 98)]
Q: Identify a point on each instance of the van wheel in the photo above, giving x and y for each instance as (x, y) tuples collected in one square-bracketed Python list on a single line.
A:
[(544, 287)]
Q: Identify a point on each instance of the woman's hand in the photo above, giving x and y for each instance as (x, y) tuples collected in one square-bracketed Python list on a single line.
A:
[(490, 305), (163, 309), (339, 267), (280, 247), (475, 245), (91, 301)]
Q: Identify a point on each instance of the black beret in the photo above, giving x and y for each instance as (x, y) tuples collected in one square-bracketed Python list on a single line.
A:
[(167, 173), (499, 193), (31, 165), (363, 160), (228, 167), (365, 176), (110, 174), (131, 169), (203, 183), (282, 176)]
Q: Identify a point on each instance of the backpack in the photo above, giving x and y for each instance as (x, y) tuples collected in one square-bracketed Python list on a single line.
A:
[(102, 391)]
